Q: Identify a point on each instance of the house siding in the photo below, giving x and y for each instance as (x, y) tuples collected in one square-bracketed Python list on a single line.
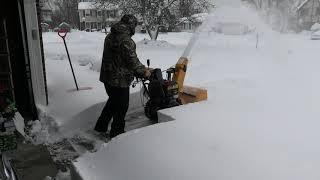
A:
[(95, 18)]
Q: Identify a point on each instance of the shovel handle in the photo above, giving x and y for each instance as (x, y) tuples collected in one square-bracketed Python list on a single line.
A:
[(62, 33)]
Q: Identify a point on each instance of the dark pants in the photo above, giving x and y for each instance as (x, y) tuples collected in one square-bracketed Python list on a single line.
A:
[(116, 108)]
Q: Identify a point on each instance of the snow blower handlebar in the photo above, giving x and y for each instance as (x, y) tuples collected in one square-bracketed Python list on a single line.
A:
[(141, 79)]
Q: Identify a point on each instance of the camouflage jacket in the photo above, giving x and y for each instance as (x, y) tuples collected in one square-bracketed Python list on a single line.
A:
[(120, 62)]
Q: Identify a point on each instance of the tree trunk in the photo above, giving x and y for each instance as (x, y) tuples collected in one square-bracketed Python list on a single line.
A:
[(153, 33)]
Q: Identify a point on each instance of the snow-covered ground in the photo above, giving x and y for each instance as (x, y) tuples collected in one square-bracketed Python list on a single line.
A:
[(69, 108), (260, 120)]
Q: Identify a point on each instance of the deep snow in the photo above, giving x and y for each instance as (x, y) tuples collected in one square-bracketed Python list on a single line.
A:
[(260, 121)]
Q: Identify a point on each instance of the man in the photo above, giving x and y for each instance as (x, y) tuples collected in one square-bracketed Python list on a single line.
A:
[(119, 66)]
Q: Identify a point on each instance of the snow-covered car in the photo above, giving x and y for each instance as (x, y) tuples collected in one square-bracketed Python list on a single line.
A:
[(315, 35), (315, 31)]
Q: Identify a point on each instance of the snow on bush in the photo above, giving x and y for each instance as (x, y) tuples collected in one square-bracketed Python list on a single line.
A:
[(315, 27)]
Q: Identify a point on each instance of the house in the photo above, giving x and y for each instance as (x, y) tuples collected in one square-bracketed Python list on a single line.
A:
[(65, 27), (45, 27), (308, 13), (190, 24), (46, 12), (97, 16)]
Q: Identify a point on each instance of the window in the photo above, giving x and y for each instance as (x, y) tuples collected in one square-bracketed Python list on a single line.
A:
[(88, 25), (94, 13), (83, 13), (115, 13), (87, 12), (99, 13), (318, 11), (107, 14), (112, 14), (304, 12)]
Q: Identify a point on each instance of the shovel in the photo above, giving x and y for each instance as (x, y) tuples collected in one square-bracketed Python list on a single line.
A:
[(63, 34)]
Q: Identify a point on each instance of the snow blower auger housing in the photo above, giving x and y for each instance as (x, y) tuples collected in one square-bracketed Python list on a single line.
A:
[(169, 92), (187, 94)]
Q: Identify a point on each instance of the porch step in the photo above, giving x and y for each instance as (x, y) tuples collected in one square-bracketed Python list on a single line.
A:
[(32, 162)]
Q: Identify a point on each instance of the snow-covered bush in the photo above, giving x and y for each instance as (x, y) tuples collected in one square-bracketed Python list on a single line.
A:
[(315, 27)]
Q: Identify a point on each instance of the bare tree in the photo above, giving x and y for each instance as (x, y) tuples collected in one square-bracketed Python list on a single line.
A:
[(67, 11)]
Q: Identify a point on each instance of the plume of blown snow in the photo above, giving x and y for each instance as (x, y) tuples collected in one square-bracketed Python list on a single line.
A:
[(233, 13)]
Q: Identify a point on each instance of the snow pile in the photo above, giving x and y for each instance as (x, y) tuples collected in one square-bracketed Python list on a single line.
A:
[(43, 132), (151, 43), (38, 133)]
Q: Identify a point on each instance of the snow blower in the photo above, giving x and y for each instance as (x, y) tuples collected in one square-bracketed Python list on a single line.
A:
[(169, 92)]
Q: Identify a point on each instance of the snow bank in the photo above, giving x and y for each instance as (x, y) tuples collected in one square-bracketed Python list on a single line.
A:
[(260, 121)]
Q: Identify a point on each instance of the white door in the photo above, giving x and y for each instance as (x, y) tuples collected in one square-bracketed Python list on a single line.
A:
[(35, 56)]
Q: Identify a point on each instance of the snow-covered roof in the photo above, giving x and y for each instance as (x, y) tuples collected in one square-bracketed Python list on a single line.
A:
[(95, 5), (195, 18), (86, 5), (64, 24), (44, 24)]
